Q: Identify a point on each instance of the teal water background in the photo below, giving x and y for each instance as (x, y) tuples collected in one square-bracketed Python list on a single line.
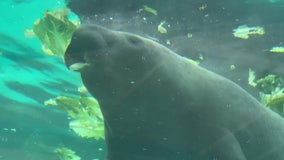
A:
[(28, 129)]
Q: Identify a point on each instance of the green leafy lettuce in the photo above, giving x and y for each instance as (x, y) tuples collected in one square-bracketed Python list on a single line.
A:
[(272, 94), (55, 31), (87, 120), (66, 154)]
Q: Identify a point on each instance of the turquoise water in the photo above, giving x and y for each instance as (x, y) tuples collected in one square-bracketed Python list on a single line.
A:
[(29, 130)]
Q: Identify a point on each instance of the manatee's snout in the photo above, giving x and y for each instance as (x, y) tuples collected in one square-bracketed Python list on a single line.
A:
[(74, 55), (87, 41), (74, 63)]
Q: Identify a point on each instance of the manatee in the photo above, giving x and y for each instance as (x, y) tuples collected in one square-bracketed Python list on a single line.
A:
[(159, 106)]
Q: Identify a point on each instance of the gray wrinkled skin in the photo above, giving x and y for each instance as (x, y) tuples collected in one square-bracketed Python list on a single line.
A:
[(159, 106)]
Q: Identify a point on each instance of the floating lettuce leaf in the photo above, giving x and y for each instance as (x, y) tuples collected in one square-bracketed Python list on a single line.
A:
[(270, 83), (88, 128), (71, 105), (55, 31), (66, 154), (272, 94), (189, 35), (277, 49), (272, 91), (87, 117), (161, 28), (244, 31), (91, 106), (276, 98), (251, 78), (232, 67), (274, 101), (150, 10)]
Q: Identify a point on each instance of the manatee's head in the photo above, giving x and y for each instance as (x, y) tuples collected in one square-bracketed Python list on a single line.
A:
[(109, 61), (89, 43)]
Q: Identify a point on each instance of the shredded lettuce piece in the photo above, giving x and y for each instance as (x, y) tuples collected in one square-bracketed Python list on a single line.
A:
[(251, 78), (55, 31), (272, 94), (66, 153), (161, 28), (150, 10), (277, 49), (244, 31), (88, 128), (269, 83), (87, 117)]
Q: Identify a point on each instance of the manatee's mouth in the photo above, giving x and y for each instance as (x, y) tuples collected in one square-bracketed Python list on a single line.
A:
[(75, 63)]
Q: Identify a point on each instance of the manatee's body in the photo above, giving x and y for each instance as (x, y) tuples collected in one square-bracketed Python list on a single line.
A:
[(159, 106)]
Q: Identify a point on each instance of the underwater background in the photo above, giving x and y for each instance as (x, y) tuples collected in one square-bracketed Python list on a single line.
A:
[(205, 31)]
